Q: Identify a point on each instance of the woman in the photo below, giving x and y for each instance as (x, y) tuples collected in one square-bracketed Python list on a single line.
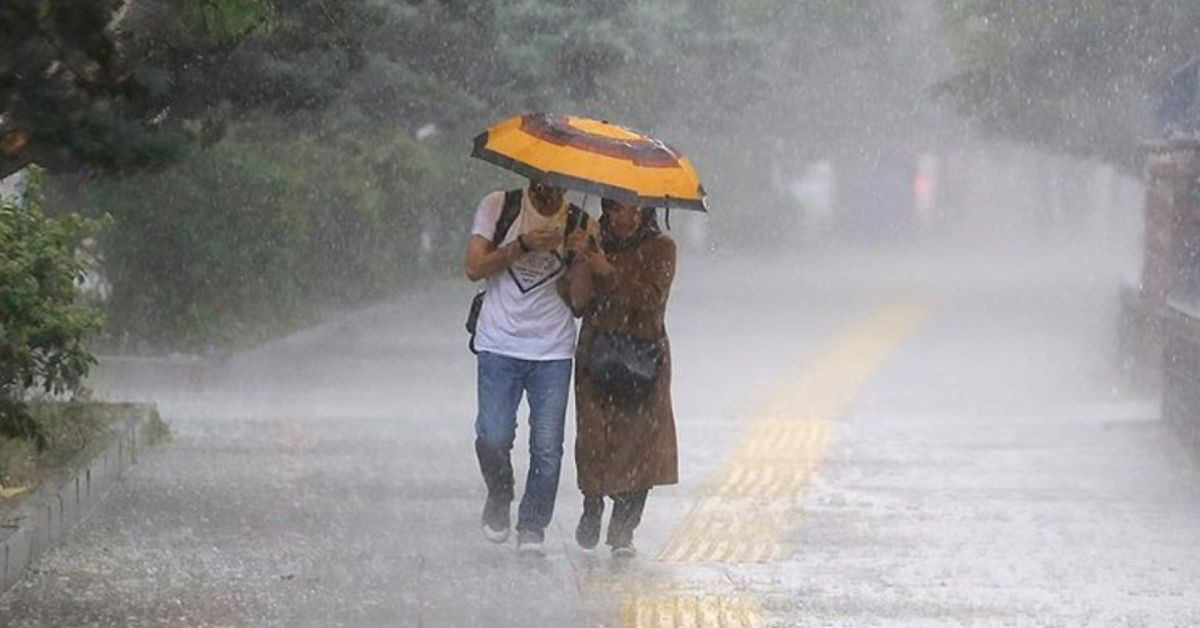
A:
[(625, 427)]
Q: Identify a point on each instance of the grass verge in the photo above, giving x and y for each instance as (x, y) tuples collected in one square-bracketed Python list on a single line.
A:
[(69, 428)]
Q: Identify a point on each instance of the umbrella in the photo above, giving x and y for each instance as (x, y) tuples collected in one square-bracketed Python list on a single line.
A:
[(595, 157)]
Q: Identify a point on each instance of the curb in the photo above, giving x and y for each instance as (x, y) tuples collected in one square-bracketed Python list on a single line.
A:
[(43, 518)]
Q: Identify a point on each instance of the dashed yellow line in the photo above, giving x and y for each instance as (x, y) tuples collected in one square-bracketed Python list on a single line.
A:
[(744, 515), (708, 611), (742, 518)]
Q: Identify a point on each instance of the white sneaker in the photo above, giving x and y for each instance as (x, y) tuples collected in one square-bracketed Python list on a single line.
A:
[(495, 536), (625, 552), (530, 544), (495, 521)]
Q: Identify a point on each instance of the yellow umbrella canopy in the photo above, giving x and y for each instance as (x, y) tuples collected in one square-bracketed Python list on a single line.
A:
[(595, 157)]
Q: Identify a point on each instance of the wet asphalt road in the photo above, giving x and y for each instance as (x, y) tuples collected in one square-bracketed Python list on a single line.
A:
[(985, 468)]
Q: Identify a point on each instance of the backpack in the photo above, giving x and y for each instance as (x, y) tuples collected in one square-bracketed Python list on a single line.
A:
[(576, 218)]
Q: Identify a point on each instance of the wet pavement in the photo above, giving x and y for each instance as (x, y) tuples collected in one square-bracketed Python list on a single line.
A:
[(880, 440)]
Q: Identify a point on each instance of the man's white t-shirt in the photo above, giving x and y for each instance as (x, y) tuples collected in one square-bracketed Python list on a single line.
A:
[(523, 315)]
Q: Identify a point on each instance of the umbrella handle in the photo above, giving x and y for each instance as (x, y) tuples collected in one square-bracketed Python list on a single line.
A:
[(570, 255)]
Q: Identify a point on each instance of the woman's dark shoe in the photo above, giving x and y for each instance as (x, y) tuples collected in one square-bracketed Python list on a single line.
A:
[(626, 515), (620, 539), (587, 533)]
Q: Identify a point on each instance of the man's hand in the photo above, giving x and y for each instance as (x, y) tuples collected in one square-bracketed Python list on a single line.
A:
[(542, 240)]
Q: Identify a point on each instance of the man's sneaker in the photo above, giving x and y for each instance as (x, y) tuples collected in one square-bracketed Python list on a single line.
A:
[(496, 521), (529, 543), (494, 535), (624, 551)]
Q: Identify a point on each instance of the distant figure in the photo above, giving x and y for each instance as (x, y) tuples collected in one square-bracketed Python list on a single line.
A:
[(925, 188), (885, 200), (815, 193), (1177, 97), (625, 426)]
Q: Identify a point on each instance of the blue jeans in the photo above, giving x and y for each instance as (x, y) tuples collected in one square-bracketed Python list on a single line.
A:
[(501, 382)]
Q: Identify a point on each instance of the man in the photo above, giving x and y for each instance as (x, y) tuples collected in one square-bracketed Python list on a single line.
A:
[(525, 339)]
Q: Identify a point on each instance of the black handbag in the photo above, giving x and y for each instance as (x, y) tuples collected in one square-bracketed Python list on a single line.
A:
[(624, 365)]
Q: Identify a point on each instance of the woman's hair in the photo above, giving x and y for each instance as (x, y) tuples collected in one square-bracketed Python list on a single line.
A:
[(648, 229), (650, 218), (649, 214)]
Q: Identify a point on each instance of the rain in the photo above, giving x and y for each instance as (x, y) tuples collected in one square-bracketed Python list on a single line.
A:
[(846, 313)]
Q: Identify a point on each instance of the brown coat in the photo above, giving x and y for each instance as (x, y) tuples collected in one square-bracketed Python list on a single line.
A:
[(622, 446)]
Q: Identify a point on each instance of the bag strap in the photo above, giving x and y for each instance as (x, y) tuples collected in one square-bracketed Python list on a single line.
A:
[(508, 215)]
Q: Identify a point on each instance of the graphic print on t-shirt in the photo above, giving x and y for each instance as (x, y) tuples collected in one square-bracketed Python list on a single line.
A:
[(534, 269)]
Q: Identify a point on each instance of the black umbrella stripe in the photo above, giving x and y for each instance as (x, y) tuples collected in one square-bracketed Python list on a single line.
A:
[(556, 129)]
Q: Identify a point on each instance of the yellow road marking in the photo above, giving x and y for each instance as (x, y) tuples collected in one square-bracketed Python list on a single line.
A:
[(743, 516), (709, 611)]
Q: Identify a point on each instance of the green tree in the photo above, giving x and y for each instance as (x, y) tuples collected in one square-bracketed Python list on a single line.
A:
[(123, 85), (313, 189), (297, 208), (746, 87), (42, 327), (1072, 75)]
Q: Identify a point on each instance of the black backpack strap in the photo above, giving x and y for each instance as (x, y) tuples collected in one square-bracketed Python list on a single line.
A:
[(508, 215)]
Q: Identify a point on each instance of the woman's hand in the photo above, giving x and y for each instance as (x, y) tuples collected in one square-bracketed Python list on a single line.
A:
[(599, 263), (578, 244)]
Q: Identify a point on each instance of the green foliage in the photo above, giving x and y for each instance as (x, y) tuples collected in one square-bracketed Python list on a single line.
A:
[(312, 206), (252, 235), (67, 429), (460, 63), (18, 463), (749, 87), (61, 89), (122, 86), (231, 19), (1073, 75), (157, 430), (200, 252), (311, 189), (42, 329)]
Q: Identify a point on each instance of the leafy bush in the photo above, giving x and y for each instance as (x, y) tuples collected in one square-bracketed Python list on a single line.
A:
[(254, 235), (42, 327), (198, 253), (1072, 76)]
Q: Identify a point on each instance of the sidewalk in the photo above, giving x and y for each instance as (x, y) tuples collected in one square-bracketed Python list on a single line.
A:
[(983, 473)]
